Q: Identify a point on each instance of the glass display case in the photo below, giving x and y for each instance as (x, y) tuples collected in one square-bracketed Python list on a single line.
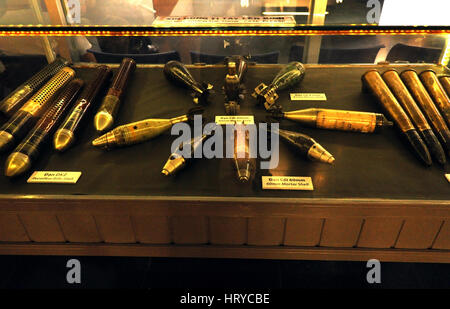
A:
[(288, 129)]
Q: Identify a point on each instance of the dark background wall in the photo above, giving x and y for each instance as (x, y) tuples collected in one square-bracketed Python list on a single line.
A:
[(119, 272)]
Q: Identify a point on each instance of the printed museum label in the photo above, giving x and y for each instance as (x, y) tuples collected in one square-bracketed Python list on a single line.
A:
[(231, 119), (54, 177), (225, 21), (287, 183), (308, 97)]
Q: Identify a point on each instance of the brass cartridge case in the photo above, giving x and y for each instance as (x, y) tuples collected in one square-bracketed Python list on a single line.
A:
[(423, 99), (333, 119), (445, 82), (393, 80), (373, 82), (437, 92)]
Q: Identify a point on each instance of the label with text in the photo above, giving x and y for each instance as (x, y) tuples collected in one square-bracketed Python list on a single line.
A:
[(225, 21), (223, 120), (287, 183), (308, 97), (54, 177)]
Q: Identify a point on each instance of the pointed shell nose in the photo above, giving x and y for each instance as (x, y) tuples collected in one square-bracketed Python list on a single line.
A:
[(17, 164)]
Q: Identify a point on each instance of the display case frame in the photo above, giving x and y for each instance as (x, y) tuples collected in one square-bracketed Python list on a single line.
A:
[(321, 228), (358, 229)]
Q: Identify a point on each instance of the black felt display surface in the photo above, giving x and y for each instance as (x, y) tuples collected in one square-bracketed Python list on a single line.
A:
[(368, 166)]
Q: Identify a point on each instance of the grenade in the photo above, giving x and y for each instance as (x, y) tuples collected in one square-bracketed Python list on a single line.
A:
[(177, 73), (287, 77)]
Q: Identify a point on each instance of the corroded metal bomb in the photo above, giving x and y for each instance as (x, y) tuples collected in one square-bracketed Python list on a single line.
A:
[(182, 155), (424, 100), (374, 83), (107, 112), (243, 160), (437, 92), (22, 120), (20, 160), (140, 131), (287, 77), (445, 82), (236, 69), (21, 94), (398, 88), (306, 146), (334, 119), (65, 135), (178, 74)]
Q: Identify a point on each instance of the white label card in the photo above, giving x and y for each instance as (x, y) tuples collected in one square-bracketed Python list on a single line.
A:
[(287, 183), (308, 97), (217, 21), (54, 177), (448, 177), (223, 120)]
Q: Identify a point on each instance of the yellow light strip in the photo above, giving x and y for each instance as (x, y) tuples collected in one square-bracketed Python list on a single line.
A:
[(58, 33)]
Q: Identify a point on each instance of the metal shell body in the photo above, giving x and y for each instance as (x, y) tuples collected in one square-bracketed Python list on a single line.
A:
[(333, 119), (21, 121), (306, 146), (177, 73), (18, 97), (423, 99), (373, 82), (38, 135), (39, 100), (184, 152), (243, 162), (437, 92), (112, 101), (394, 82), (86, 98), (136, 132), (232, 83), (445, 82), (288, 76)]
